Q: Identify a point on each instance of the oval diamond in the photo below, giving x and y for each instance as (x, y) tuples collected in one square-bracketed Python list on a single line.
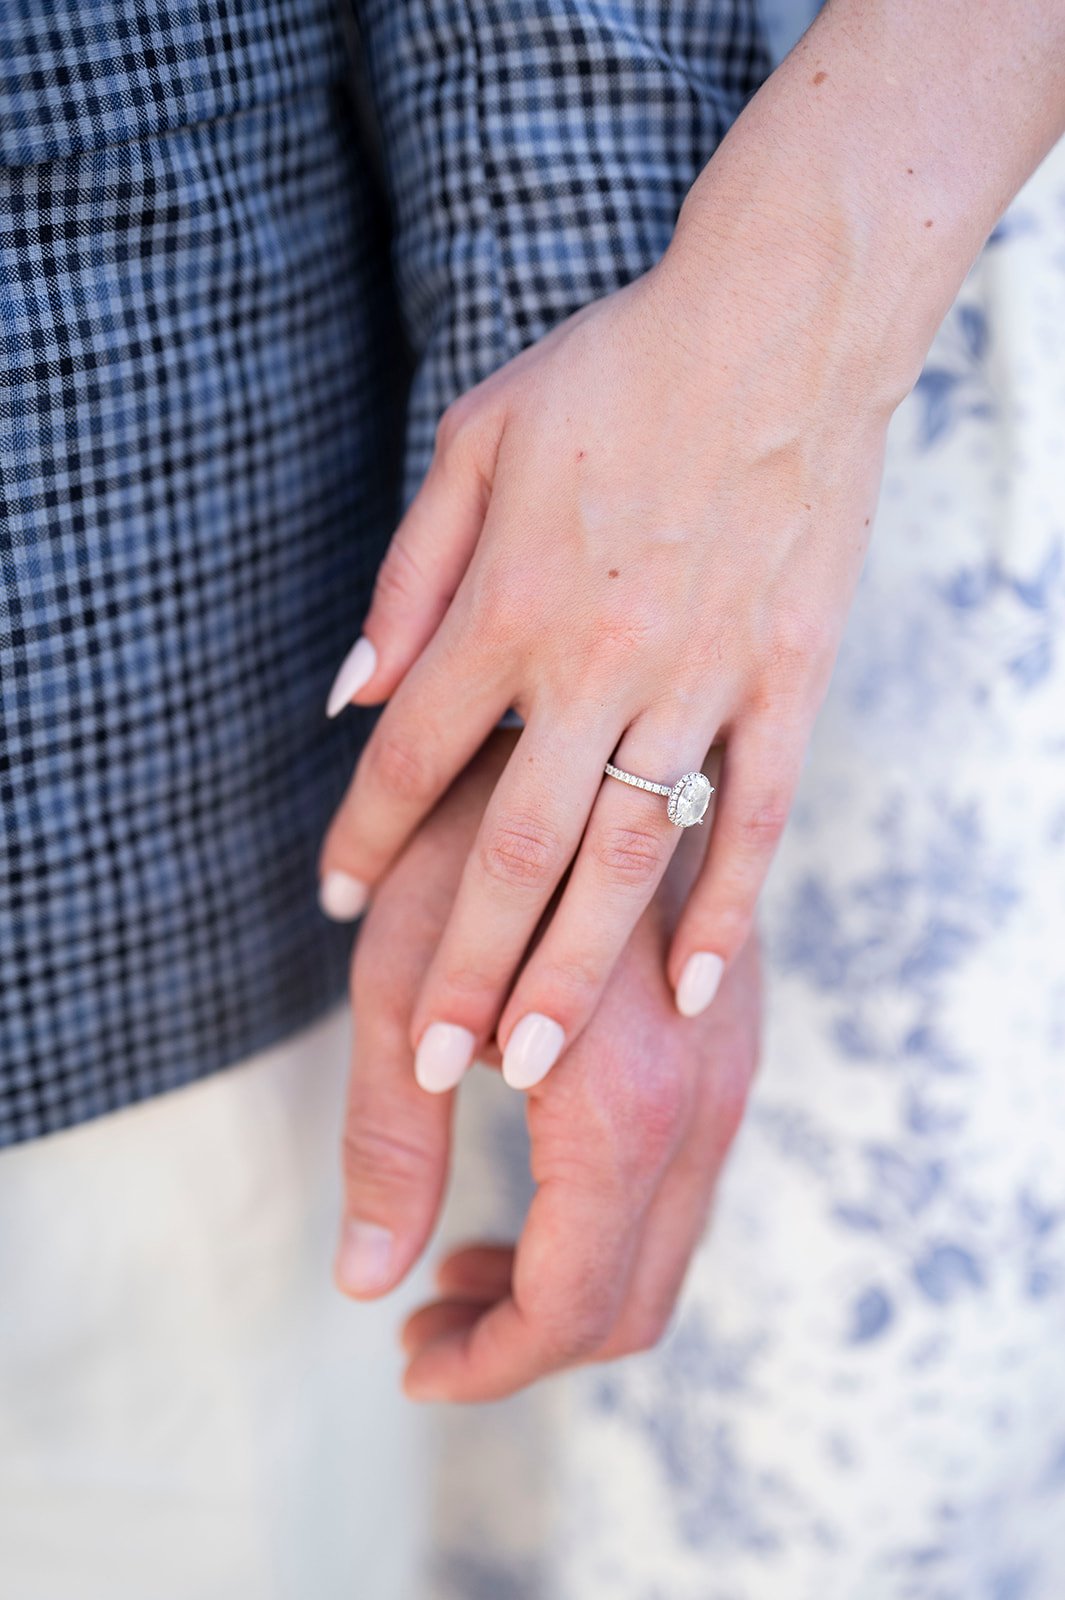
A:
[(690, 798)]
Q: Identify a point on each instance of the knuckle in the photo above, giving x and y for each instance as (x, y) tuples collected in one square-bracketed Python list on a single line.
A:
[(460, 427), (568, 977), (501, 611), (732, 1086), (473, 992), (376, 1158), (629, 856), (618, 639), (453, 419), (581, 1332), (372, 985), (398, 765), (798, 637), (798, 654), (648, 1329), (399, 582), (663, 1105), (654, 1107), (520, 852), (761, 824)]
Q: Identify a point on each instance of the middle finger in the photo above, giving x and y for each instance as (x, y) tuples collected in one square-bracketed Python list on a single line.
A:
[(529, 834)]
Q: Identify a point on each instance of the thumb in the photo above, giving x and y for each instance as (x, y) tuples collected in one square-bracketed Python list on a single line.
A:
[(426, 559)]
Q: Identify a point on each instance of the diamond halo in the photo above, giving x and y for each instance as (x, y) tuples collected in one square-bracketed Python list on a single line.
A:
[(687, 800)]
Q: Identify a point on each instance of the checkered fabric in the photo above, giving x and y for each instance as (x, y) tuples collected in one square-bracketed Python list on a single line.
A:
[(201, 388), (537, 155), (197, 478)]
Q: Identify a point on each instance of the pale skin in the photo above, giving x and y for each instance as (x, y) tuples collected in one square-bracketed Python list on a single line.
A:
[(627, 1138), (644, 533)]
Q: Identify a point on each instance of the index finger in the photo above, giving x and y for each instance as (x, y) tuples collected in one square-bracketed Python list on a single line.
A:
[(426, 735)]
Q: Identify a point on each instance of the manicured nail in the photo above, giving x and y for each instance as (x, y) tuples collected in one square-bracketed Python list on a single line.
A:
[(532, 1050), (444, 1052), (698, 982), (341, 896), (356, 669), (364, 1256)]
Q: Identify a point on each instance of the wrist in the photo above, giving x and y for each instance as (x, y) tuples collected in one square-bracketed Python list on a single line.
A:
[(850, 198)]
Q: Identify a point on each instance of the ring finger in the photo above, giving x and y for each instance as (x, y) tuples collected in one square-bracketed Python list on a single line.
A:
[(626, 848)]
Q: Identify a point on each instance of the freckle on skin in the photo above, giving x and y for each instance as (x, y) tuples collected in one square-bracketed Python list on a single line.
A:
[(909, 172), (819, 77), (928, 224), (867, 522), (613, 572)]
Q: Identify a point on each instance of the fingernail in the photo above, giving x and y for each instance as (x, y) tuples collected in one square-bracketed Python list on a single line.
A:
[(356, 669), (532, 1050), (423, 1389), (341, 896), (444, 1052), (364, 1256), (698, 982)]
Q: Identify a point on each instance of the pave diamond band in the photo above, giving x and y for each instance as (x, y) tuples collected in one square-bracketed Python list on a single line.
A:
[(688, 798), (637, 783)]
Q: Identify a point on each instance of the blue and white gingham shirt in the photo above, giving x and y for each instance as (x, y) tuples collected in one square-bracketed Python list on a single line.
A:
[(223, 253)]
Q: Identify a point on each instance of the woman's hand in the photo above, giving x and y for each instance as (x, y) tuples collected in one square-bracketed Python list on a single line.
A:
[(644, 531), (628, 1135)]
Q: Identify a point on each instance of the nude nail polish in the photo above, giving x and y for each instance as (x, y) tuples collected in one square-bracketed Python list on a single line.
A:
[(356, 669), (444, 1052), (532, 1050), (698, 982), (341, 896)]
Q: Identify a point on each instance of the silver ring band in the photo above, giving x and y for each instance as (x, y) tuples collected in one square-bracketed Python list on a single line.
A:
[(687, 799), (637, 783)]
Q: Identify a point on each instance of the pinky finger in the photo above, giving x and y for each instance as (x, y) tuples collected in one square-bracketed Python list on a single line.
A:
[(761, 772)]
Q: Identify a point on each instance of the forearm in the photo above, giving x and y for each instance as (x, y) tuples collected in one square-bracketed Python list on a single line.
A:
[(870, 168)]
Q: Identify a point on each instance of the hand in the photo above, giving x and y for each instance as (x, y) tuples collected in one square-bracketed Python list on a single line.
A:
[(645, 530), (627, 1135), (643, 533)]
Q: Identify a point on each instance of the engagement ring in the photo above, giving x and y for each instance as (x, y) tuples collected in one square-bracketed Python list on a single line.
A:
[(688, 798)]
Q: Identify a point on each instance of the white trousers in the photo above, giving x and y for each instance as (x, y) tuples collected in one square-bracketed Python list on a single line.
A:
[(189, 1410)]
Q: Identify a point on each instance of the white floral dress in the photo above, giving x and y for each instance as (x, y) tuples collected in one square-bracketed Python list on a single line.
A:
[(862, 1396)]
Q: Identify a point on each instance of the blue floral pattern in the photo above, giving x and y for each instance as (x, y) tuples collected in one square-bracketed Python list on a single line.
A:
[(862, 1395)]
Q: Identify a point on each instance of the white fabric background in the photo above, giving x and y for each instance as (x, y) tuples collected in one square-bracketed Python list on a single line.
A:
[(188, 1409)]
